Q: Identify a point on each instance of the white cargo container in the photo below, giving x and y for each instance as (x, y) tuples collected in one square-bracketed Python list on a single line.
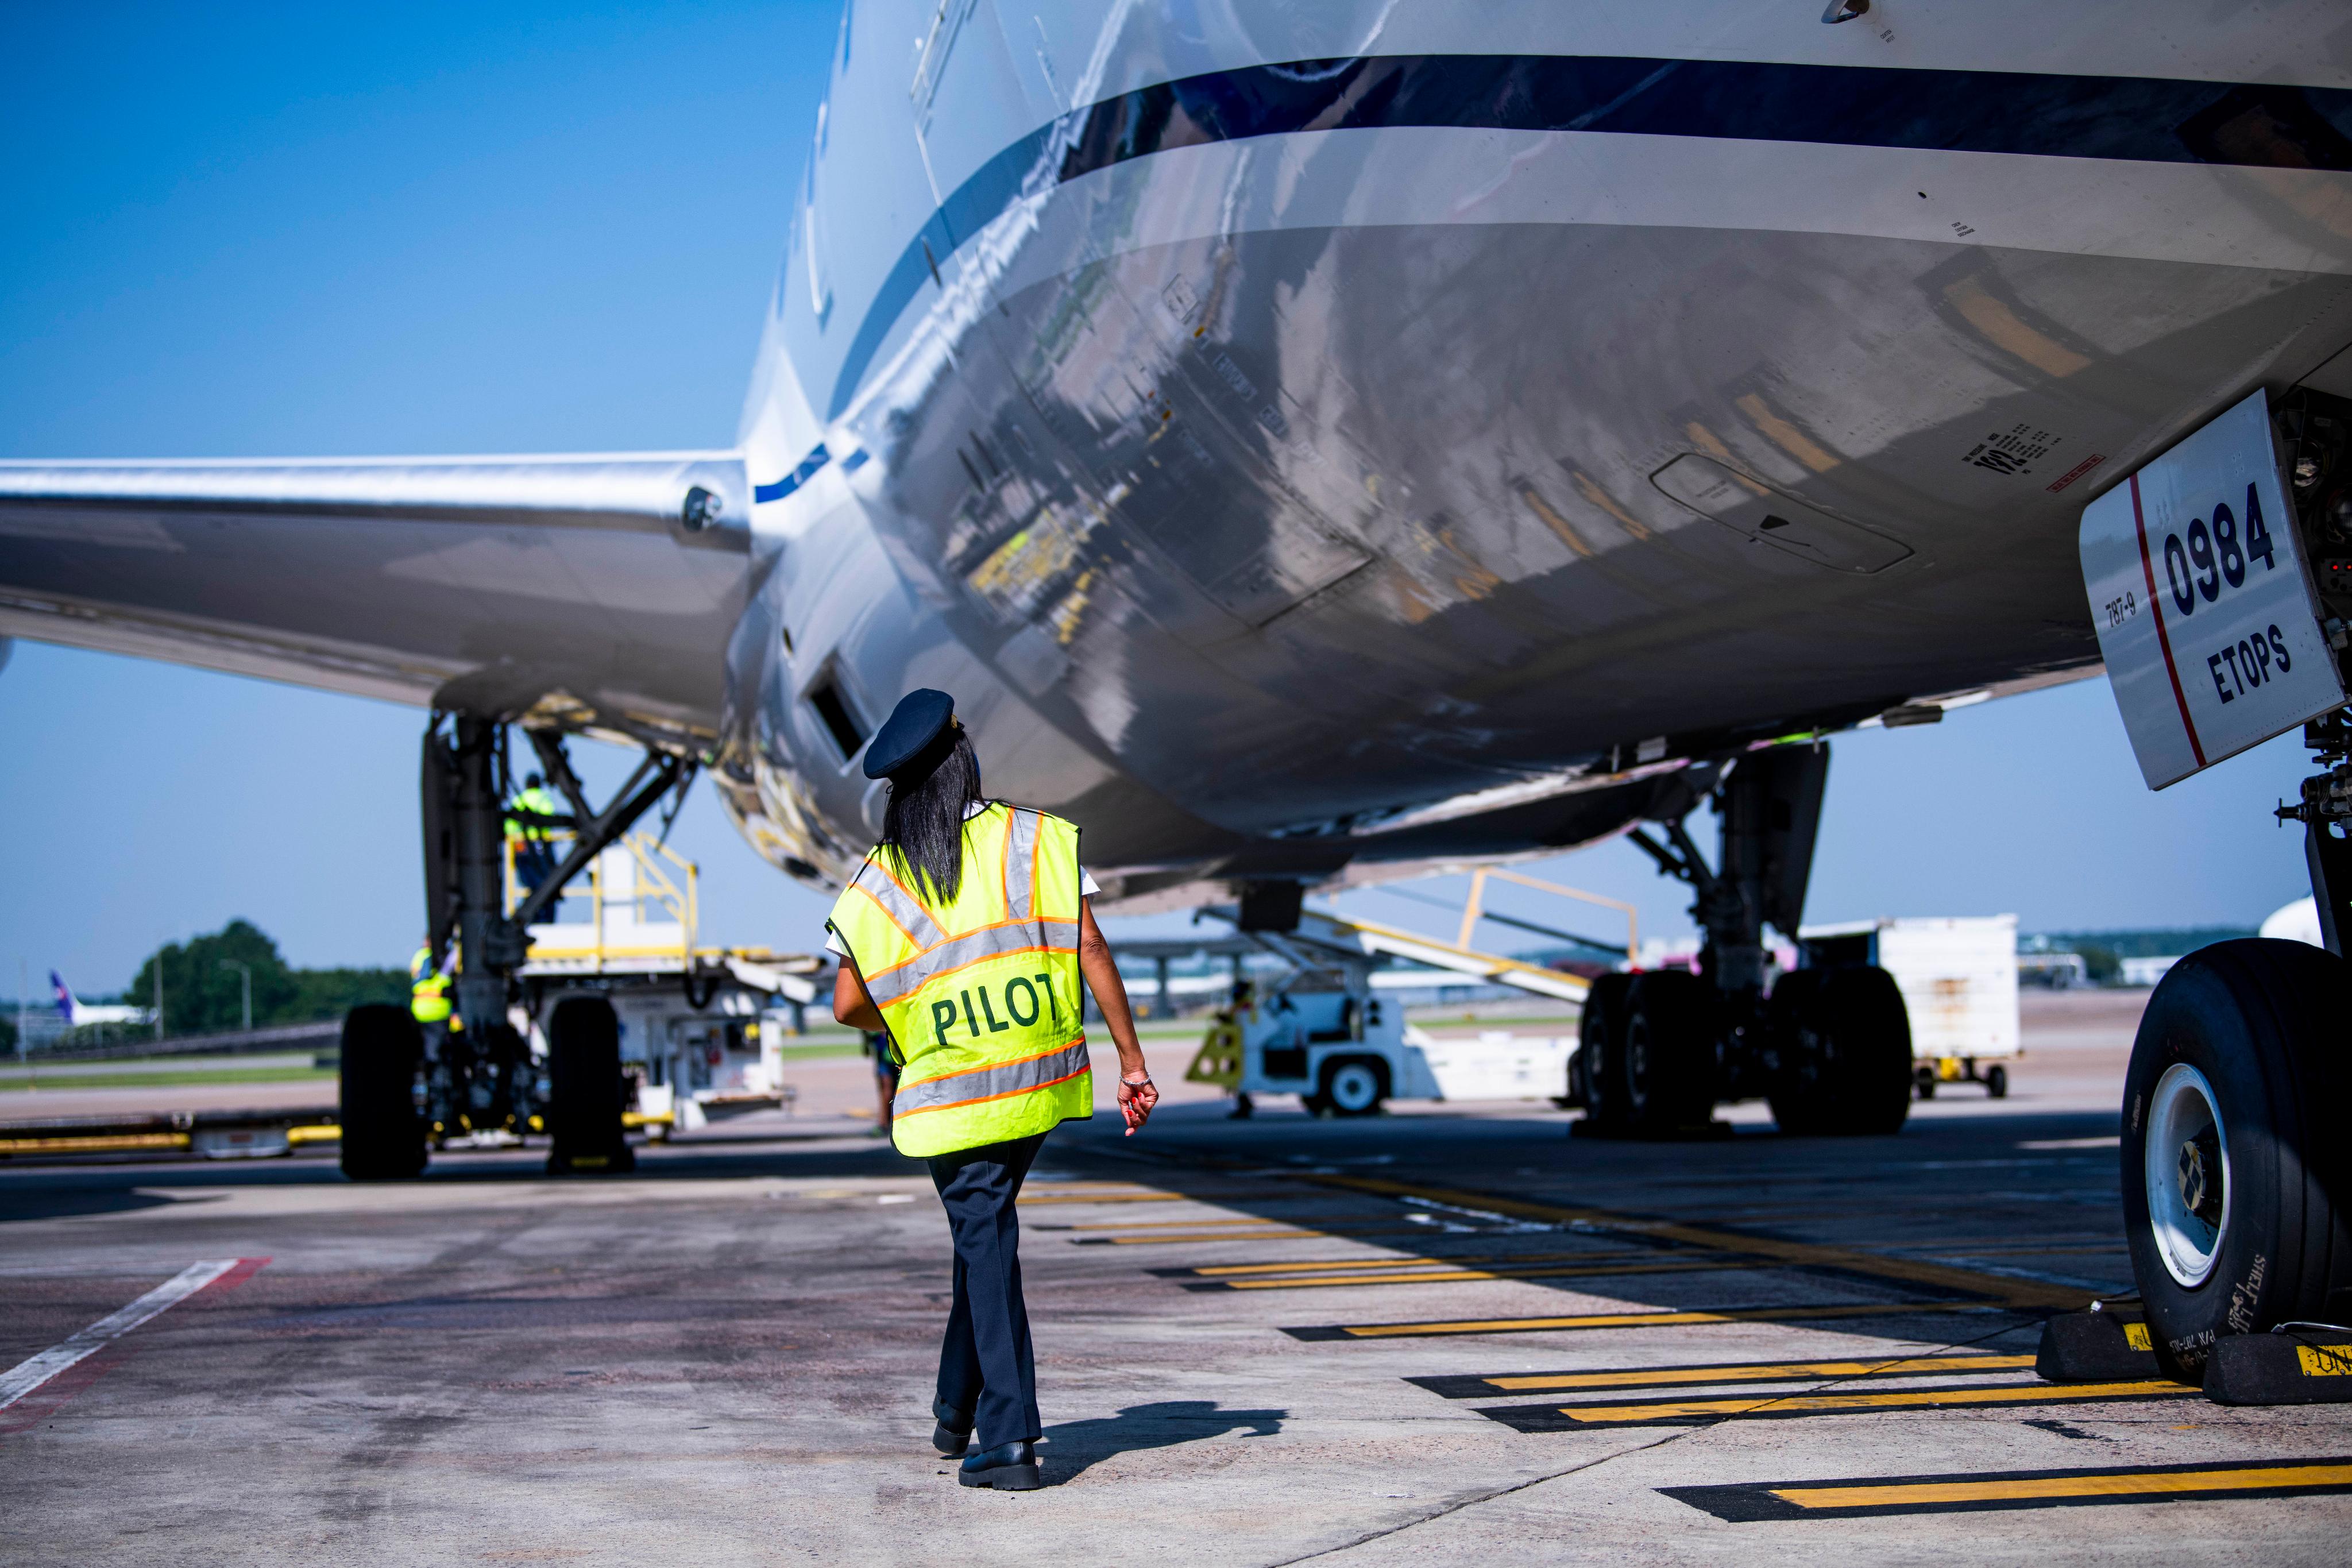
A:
[(1959, 979)]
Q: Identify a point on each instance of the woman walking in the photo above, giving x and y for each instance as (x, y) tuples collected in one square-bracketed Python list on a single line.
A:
[(964, 938)]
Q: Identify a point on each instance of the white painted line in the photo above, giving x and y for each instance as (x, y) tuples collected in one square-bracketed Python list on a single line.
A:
[(27, 1375)]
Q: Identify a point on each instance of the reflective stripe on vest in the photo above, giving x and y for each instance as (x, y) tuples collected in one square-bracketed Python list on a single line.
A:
[(1021, 867), (904, 909), (981, 995), (974, 1085)]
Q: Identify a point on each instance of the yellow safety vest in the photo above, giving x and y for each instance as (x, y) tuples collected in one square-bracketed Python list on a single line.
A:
[(980, 998), (428, 990), (533, 800)]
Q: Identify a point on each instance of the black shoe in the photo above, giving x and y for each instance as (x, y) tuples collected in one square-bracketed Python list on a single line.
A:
[(1008, 1467), (952, 1435)]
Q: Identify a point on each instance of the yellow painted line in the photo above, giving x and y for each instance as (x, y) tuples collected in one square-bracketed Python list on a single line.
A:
[(1246, 1235), (298, 1136), (2023, 1293), (1649, 1320), (102, 1143), (1457, 1275), (2025, 1488), (1171, 1224), (1351, 1266), (1347, 1265), (1761, 1372), (1107, 1198), (1894, 1399), (640, 1118)]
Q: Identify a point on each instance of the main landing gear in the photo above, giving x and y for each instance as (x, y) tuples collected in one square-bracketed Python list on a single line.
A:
[(2237, 1176), (406, 1086), (1830, 1047)]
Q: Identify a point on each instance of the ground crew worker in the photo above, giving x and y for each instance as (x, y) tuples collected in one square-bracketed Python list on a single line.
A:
[(534, 851), (428, 989), (964, 938)]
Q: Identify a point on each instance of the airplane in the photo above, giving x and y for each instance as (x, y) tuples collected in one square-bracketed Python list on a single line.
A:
[(77, 1012), (1317, 444)]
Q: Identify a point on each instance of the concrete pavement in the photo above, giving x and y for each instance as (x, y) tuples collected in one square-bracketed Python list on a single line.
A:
[(1448, 1334)]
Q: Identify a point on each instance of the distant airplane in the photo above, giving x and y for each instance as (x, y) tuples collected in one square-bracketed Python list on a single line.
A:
[(77, 1012)]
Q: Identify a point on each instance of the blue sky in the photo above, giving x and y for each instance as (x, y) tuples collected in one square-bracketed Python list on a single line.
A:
[(299, 231)]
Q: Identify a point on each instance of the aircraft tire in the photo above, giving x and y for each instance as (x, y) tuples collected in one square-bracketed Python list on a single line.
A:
[(1668, 1049), (1599, 1051), (2239, 1057), (383, 1136), (1843, 1047), (583, 1112)]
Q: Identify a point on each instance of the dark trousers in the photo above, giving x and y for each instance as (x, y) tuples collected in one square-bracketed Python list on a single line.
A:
[(987, 1373)]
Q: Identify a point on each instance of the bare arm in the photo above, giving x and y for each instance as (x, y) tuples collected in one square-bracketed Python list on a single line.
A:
[(851, 1005), (1135, 1094)]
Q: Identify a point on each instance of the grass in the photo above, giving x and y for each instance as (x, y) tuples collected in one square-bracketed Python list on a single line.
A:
[(164, 1078)]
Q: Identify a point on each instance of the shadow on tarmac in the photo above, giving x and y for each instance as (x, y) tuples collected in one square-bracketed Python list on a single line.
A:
[(1075, 1446)]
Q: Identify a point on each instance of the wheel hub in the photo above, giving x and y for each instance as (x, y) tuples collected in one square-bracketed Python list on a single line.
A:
[(2201, 1170), (2186, 1171)]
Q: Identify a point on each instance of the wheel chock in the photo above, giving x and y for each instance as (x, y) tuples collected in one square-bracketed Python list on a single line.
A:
[(2293, 1366), (2097, 1346)]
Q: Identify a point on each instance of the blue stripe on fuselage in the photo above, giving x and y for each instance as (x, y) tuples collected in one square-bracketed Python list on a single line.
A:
[(2136, 119)]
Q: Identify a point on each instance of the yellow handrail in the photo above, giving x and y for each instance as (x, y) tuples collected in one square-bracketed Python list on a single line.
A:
[(1471, 910), (679, 897)]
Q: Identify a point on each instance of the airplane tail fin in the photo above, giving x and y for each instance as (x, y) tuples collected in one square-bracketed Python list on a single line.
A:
[(65, 1004)]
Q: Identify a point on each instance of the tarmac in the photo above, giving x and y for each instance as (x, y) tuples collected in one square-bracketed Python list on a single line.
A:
[(1451, 1334)]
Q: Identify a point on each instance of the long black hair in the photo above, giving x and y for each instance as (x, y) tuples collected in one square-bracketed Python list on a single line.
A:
[(923, 828)]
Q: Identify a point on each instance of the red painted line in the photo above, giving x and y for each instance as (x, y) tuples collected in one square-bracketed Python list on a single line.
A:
[(2156, 607)]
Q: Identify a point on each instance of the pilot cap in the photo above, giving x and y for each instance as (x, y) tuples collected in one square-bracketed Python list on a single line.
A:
[(918, 719)]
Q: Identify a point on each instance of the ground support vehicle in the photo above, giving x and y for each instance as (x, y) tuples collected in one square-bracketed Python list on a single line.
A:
[(1320, 1031), (1959, 979)]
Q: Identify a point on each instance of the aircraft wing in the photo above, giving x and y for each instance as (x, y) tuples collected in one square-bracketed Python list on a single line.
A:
[(597, 591)]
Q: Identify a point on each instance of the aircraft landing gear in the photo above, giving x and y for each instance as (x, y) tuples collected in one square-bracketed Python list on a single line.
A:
[(2237, 1179), (382, 1055), (402, 1084), (1830, 1047)]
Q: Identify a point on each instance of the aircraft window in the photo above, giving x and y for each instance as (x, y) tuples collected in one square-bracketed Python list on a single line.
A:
[(840, 718)]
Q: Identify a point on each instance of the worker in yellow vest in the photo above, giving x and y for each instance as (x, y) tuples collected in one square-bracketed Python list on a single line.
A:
[(532, 841), (428, 989), (964, 937)]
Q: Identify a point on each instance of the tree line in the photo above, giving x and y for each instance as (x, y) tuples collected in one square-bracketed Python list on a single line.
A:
[(202, 990)]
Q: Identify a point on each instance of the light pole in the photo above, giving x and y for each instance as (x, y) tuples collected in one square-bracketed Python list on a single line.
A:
[(245, 972)]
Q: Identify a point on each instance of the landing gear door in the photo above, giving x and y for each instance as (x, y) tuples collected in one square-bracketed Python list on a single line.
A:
[(2203, 600)]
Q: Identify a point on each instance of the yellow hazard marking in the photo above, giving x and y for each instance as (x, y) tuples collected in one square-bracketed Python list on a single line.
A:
[(2136, 1336), (1105, 1198), (1189, 1239), (2324, 1361), (1648, 1320), (100, 1144), (1997, 1287), (2124, 1483), (1761, 1371), (298, 1136), (1352, 1265), (1894, 1399), (1455, 1276)]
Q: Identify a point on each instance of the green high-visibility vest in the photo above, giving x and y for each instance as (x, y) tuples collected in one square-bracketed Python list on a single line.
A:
[(981, 996), (428, 990)]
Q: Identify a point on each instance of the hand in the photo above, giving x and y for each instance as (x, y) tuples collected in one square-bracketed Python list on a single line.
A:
[(1136, 1100)]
